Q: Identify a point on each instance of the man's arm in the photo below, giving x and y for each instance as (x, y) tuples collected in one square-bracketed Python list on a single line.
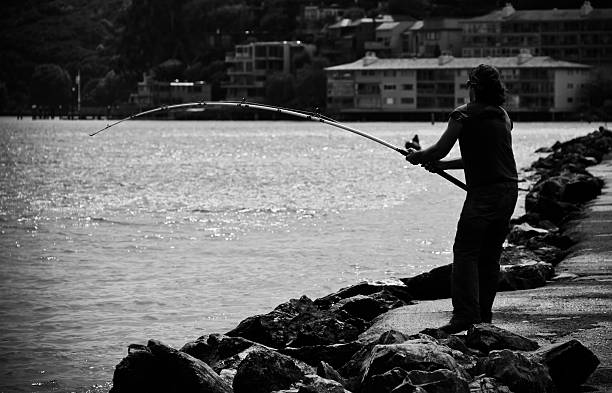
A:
[(454, 163), (439, 149)]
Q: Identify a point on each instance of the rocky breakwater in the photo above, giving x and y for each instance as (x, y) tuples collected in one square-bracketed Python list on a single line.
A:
[(316, 346)]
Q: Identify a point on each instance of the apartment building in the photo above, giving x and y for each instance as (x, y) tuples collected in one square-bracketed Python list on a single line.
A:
[(432, 37), (372, 84), (251, 64), (582, 35)]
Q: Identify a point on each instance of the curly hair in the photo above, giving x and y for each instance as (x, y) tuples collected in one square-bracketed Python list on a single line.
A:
[(488, 87)]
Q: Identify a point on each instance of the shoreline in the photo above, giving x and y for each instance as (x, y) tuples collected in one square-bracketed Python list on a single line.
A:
[(342, 330)]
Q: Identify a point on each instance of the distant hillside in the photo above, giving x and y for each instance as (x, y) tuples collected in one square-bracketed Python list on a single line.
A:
[(111, 42), (75, 34)]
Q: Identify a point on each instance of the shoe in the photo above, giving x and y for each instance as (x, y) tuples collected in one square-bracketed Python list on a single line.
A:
[(455, 327)]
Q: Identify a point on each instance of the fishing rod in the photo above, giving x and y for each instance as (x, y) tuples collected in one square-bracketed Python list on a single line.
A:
[(313, 116)]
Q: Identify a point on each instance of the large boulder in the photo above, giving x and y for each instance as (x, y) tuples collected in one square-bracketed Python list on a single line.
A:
[(326, 371), (263, 371), (366, 288), (318, 384), (484, 384), (570, 364), (486, 337), (299, 323), (438, 381), (385, 382), (515, 370), (334, 354), (519, 234), (524, 276), (216, 349), (419, 354), (434, 284), (370, 306), (160, 368), (356, 367)]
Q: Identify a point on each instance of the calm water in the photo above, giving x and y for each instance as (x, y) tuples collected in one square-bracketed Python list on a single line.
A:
[(173, 230)]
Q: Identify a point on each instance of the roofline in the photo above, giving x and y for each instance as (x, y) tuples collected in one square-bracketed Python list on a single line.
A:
[(358, 65)]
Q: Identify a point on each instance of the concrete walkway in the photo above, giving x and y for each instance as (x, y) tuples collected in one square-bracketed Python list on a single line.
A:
[(578, 306)]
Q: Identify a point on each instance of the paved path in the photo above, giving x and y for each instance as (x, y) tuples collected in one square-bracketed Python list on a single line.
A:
[(579, 306)]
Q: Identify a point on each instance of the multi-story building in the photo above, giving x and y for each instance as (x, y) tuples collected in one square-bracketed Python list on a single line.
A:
[(432, 37), (371, 84), (388, 39), (347, 38), (152, 93), (582, 35), (251, 64)]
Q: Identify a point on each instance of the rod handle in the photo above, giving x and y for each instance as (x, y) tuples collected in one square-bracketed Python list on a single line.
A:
[(445, 175)]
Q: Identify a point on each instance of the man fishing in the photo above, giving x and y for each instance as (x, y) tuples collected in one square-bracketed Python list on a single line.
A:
[(483, 129)]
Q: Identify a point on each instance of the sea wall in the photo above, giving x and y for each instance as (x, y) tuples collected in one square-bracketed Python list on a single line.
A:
[(310, 346)]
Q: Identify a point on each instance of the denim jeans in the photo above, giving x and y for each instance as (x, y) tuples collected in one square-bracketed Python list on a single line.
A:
[(481, 231)]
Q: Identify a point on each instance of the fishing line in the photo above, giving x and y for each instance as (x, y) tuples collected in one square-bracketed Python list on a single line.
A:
[(313, 116)]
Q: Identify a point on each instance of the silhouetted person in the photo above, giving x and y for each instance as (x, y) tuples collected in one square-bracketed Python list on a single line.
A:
[(483, 129)]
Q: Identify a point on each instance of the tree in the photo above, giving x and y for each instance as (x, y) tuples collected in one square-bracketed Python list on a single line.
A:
[(169, 70), (3, 97), (110, 90), (51, 86), (280, 89), (311, 85)]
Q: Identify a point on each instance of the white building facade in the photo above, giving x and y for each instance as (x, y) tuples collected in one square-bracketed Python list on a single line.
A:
[(535, 84)]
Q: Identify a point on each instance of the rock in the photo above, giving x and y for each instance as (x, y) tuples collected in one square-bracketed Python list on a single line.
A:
[(581, 188), (548, 254), (190, 374), (549, 208), (524, 276), (483, 384), (299, 322), (438, 381), (487, 337), (385, 382), (323, 328), (407, 387), (356, 367), (366, 288), (516, 371), (263, 371), (371, 306), (326, 371), (431, 285), (215, 349), (161, 368), (334, 354), (517, 255), (569, 364), (564, 277), (411, 355), (136, 373), (519, 234), (316, 384)]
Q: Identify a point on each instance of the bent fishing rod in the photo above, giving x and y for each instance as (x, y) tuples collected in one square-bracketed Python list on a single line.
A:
[(313, 116)]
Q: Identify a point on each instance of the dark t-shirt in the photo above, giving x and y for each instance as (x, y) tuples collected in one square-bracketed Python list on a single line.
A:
[(486, 144)]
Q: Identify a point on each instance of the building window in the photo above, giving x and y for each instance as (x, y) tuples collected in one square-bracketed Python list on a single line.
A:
[(389, 101), (570, 85), (407, 100), (460, 100), (389, 87), (408, 86), (570, 100)]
